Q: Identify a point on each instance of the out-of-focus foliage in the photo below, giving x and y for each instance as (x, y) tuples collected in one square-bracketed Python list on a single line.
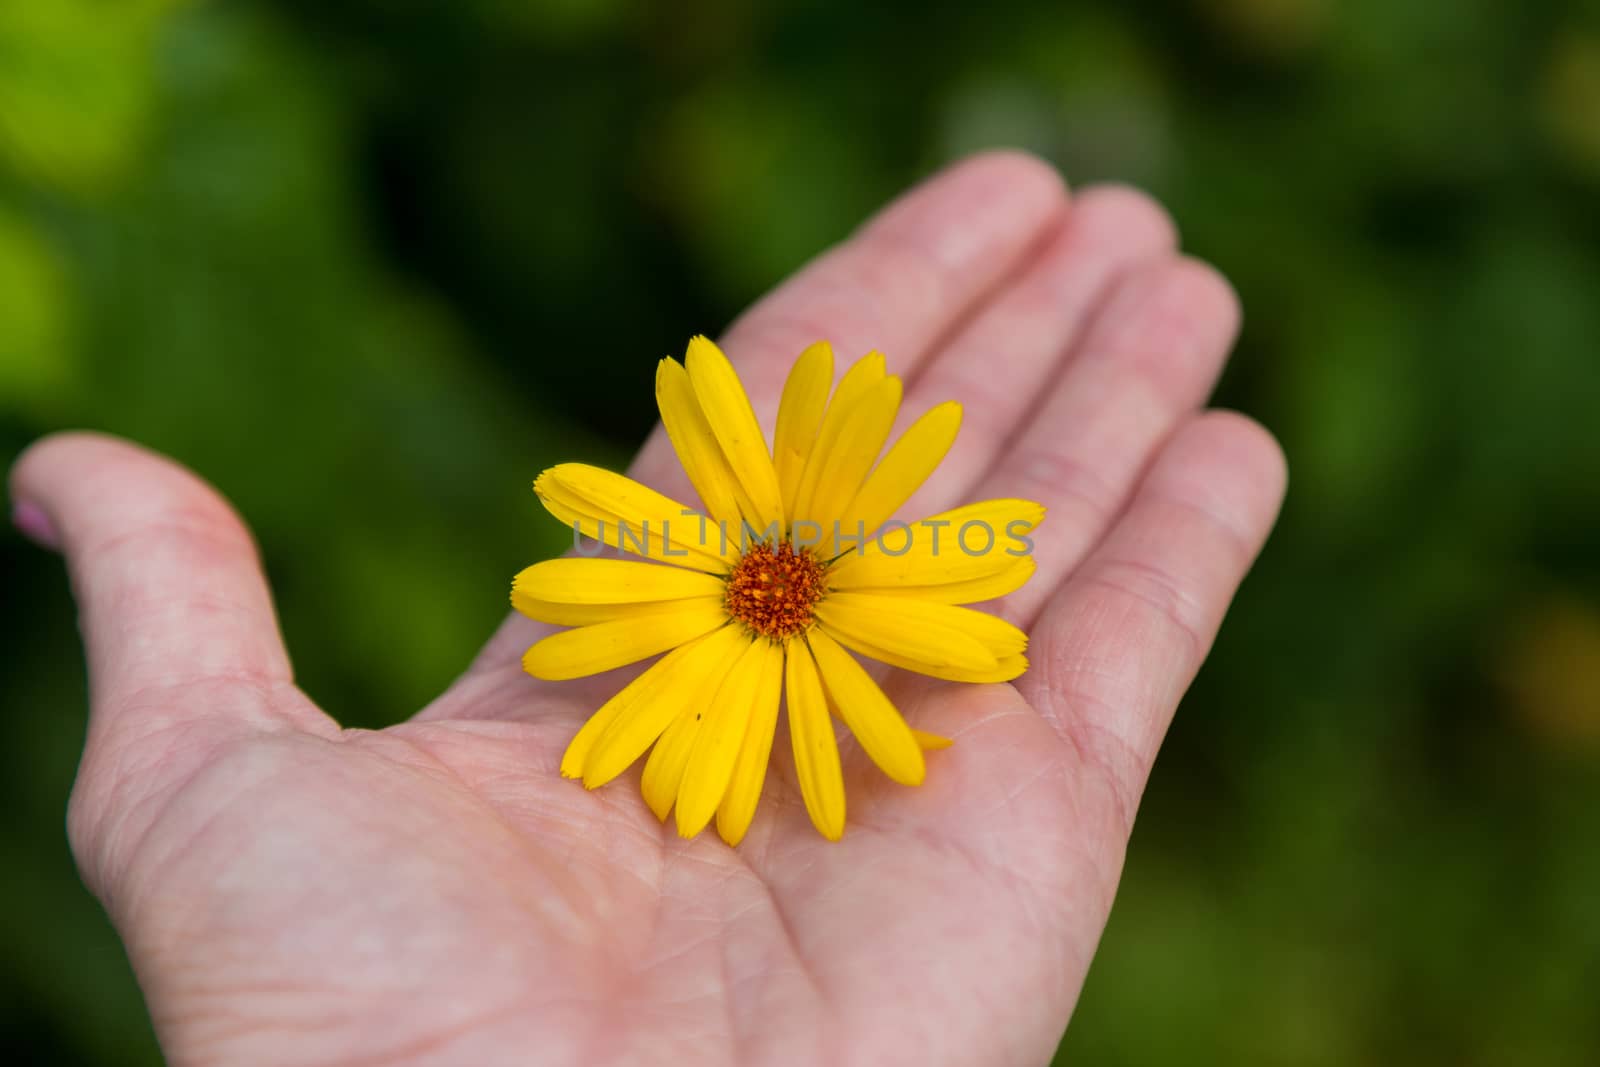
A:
[(369, 266)]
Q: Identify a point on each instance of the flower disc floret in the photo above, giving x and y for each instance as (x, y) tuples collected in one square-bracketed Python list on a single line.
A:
[(773, 589)]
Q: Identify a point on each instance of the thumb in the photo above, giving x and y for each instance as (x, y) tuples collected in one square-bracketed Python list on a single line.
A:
[(166, 576), (178, 626)]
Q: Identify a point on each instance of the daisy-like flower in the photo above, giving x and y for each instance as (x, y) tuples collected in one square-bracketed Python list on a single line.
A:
[(761, 598)]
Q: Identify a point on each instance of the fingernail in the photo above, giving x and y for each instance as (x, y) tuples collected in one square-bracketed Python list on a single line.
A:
[(29, 518)]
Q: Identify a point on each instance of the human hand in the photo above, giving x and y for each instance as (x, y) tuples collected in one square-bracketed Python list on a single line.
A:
[(291, 892)]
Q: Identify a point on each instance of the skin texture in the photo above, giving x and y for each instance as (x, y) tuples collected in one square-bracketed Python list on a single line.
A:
[(434, 893)]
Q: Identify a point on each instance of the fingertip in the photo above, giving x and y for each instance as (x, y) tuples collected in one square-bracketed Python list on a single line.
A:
[(995, 203), (1231, 466), (36, 472), (83, 480), (1194, 298), (1174, 318), (1127, 214), (50, 450), (45, 466), (1212, 290), (32, 522), (1246, 445), (1017, 170)]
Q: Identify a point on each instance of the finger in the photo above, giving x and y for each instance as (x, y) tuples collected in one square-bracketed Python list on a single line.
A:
[(998, 363), (169, 589), (897, 285), (1121, 640), (1148, 361)]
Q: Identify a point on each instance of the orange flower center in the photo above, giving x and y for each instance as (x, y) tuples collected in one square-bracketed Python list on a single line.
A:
[(773, 588)]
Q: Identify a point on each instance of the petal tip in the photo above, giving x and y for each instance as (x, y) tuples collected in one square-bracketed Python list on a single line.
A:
[(528, 662), (702, 346), (536, 662), (732, 830), (1021, 669), (688, 831)]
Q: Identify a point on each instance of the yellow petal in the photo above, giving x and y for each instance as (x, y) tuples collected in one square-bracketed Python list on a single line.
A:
[(644, 687), (692, 438), (663, 771), (721, 736), (733, 421), (869, 615), (851, 455), (862, 376), (968, 542), (738, 805), (972, 591), (635, 518), (910, 628), (805, 398), (816, 753), (588, 614), (869, 714), (611, 581), (637, 725), (930, 742), (1005, 669), (909, 462), (608, 645)]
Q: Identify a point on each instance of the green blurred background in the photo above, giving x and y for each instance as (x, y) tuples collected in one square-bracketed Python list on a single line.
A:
[(360, 264)]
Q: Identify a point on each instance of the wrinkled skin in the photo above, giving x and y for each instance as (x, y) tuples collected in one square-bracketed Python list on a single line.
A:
[(435, 893)]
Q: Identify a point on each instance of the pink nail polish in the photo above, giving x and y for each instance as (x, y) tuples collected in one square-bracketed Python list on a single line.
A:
[(29, 518)]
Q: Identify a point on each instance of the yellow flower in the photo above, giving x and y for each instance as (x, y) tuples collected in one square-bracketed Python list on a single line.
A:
[(795, 559)]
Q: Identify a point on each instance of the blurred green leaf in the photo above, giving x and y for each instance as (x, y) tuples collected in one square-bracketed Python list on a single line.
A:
[(35, 306), (76, 87)]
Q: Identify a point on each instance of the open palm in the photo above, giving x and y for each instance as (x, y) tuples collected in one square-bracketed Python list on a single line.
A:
[(291, 892)]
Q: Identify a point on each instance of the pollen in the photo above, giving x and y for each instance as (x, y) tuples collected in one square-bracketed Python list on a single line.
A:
[(772, 589)]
